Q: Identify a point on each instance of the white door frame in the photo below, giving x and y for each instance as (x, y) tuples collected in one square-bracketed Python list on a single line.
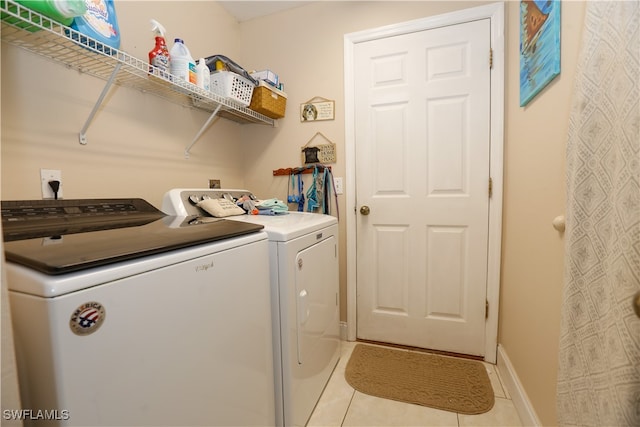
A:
[(495, 12)]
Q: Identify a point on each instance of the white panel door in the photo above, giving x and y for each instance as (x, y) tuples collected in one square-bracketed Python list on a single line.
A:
[(422, 103)]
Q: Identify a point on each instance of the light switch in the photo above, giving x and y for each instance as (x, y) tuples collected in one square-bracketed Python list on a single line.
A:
[(337, 181)]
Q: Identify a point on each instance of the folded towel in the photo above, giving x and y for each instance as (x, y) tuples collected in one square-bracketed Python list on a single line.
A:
[(272, 204)]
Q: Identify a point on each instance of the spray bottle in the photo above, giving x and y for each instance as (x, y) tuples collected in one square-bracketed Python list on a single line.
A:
[(159, 58)]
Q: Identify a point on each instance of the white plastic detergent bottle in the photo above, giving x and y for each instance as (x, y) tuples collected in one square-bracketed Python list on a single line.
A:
[(203, 77), (182, 64)]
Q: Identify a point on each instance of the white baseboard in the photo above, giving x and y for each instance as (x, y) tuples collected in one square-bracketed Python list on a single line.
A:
[(343, 331), (518, 395)]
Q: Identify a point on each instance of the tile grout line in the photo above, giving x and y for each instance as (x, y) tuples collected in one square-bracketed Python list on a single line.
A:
[(348, 407)]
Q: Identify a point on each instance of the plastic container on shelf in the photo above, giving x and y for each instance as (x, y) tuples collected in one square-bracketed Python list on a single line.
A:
[(99, 23), (182, 64), (203, 79), (232, 87), (62, 11)]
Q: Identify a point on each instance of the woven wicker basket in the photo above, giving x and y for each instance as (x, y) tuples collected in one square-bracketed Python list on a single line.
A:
[(268, 101)]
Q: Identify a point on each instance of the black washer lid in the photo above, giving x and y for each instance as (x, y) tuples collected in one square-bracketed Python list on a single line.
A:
[(57, 238)]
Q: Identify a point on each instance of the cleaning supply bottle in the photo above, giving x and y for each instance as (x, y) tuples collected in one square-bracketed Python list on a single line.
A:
[(159, 57), (99, 23), (182, 63), (203, 77), (62, 11)]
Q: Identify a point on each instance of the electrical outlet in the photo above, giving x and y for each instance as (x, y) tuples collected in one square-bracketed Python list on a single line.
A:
[(214, 183), (47, 175), (337, 181)]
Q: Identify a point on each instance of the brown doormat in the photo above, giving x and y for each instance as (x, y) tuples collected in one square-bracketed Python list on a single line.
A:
[(442, 382)]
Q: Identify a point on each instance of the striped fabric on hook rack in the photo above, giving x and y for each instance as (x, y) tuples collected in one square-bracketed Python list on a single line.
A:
[(327, 186)]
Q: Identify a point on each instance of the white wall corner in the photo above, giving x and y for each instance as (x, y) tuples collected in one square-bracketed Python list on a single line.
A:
[(519, 396)]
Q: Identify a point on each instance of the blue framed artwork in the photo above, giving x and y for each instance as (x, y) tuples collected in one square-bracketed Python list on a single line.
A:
[(539, 46)]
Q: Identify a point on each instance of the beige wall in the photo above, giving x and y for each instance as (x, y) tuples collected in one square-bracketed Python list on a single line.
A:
[(532, 251), (136, 142)]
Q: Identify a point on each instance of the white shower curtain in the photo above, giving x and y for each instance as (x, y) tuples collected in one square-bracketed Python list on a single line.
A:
[(599, 369)]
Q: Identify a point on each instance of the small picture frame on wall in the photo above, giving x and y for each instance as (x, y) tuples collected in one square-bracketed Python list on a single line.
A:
[(539, 46), (313, 152), (317, 109)]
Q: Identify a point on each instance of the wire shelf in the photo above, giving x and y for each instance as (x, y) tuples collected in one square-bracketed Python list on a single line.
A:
[(36, 33)]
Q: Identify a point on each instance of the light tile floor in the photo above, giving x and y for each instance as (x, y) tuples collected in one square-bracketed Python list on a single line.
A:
[(341, 405)]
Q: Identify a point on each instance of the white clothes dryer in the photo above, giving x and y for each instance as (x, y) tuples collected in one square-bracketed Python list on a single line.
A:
[(303, 258)]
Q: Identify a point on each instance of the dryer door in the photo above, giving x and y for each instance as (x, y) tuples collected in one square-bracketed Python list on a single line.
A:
[(316, 298)]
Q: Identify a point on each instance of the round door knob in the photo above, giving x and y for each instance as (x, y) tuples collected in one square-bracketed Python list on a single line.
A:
[(365, 210)]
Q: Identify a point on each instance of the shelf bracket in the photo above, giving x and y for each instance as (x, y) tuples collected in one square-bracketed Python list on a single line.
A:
[(202, 129), (82, 136)]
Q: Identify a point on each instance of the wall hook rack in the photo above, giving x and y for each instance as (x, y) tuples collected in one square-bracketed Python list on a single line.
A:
[(300, 170)]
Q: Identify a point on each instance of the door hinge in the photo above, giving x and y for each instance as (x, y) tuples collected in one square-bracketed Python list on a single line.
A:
[(490, 187), (486, 309), (490, 58)]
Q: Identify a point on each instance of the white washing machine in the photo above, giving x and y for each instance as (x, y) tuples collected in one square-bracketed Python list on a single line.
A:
[(303, 254), (124, 316)]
